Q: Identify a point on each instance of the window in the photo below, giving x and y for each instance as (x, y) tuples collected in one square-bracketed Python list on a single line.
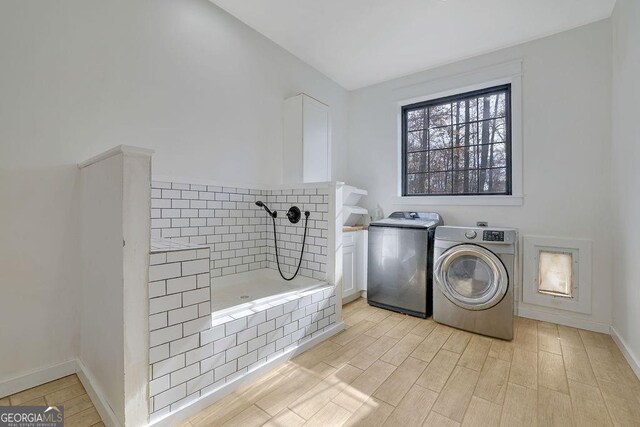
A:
[(458, 145)]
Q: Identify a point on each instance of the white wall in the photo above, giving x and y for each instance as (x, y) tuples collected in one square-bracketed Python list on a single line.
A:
[(81, 76), (626, 175), (566, 133)]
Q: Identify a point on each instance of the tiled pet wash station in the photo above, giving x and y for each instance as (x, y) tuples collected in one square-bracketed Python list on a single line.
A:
[(189, 305)]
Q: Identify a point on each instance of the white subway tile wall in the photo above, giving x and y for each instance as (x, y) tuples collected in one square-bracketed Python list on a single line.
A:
[(179, 309), (192, 355), (239, 233), (225, 219), (290, 236)]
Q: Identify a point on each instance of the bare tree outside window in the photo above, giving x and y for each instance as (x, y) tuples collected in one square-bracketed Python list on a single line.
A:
[(458, 145)]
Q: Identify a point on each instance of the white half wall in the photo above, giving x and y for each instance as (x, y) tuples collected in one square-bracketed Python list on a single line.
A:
[(566, 137), (626, 177), (101, 303), (115, 235), (136, 227), (81, 76)]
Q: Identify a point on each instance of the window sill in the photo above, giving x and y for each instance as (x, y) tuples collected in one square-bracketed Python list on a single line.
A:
[(461, 200)]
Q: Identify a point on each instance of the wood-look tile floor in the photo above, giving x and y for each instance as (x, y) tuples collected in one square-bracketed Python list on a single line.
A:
[(68, 392), (388, 369)]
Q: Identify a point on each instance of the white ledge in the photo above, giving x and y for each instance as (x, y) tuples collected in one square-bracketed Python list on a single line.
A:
[(166, 245), (461, 200), (120, 149), (230, 184)]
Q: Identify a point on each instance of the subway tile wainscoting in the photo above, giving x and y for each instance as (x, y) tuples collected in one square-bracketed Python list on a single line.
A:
[(179, 309), (203, 232), (192, 355), (314, 261), (239, 233)]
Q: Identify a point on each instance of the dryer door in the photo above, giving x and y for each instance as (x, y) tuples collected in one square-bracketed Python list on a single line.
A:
[(471, 277)]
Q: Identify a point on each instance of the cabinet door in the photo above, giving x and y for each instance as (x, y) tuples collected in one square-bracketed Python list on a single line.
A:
[(306, 140), (315, 147), (348, 270), (292, 140)]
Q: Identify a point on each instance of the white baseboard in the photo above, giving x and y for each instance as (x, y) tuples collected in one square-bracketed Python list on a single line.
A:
[(632, 359), (193, 408), (347, 299), (563, 320), (36, 378), (42, 376), (96, 394)]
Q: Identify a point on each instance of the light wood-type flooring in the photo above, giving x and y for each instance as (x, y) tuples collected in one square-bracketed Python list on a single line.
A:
[(388, 369), (68, 392)]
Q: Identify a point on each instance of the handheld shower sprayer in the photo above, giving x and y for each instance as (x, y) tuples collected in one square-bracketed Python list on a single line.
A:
[(262, 205), (293, 215)]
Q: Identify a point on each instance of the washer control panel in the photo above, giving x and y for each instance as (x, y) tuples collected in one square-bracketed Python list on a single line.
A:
[(493, 236)]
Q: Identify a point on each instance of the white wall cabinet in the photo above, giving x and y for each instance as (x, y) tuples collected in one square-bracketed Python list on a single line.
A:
[(306, 140), (354, 264)]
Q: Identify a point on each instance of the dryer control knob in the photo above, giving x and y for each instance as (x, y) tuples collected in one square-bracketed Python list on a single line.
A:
[(470, 234)]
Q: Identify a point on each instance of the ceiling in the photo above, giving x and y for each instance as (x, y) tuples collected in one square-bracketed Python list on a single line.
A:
[(361, 42)]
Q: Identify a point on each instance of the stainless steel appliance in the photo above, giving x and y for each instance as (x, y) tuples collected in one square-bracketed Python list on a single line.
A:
[(400, 260), (474, 279)]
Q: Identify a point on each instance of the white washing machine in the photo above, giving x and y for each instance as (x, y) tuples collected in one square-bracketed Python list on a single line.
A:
[(474, 277)]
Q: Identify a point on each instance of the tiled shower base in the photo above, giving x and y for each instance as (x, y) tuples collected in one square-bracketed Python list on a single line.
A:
[(253, 289)]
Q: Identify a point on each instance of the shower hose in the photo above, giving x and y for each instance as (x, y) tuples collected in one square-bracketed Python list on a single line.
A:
[(275, 243)]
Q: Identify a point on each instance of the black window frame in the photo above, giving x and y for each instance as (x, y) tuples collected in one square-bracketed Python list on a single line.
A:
[(506, 88)]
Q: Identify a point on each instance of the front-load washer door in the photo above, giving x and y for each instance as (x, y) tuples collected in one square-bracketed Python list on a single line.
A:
[(471, 277)]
